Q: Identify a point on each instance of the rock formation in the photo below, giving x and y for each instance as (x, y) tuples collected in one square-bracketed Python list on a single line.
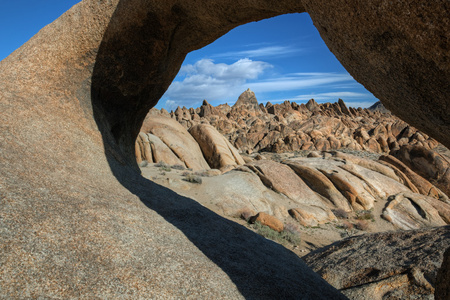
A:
[(182, 145), (428, 164), (292, 127), (443, 276), (162, 139), (414, 211), (393, 265), (217, 150), (79, 221)]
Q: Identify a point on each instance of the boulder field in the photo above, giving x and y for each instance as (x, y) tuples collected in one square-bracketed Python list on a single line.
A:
[(311, 126), (76, 218)]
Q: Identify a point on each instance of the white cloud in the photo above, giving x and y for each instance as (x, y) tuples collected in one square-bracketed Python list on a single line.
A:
[(171, 105), (240, 70), (207, 80), (220, 82), (268, 51)]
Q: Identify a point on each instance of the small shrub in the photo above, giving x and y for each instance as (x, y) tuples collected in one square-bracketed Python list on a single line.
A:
[(292, 228), (193, 178), (340, 213), (347, 225), (266, 231), (160, 164), (165, 169), (202, 174), (365, 215), (291, 233), (186, 173), (143, 164), (178, 167), (362, 225), (163, 166)]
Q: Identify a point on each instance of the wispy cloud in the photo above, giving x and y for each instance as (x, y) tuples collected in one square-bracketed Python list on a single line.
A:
[(262, 52), (331, 95), (299, 81)]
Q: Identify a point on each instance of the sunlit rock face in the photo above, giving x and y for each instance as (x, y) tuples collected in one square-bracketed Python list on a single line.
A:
[(77, 220)]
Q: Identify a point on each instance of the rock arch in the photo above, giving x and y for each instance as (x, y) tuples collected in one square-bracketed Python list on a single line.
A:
[(72, 100), (398, 51)]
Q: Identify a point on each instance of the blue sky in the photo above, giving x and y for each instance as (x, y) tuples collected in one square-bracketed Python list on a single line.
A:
[(282, 58)]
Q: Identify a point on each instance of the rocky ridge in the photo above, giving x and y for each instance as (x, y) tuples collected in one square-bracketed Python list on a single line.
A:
[(311, 126)]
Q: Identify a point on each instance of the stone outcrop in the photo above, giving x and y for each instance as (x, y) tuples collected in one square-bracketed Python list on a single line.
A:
[(427, 163), (292, 127), (311, 215), (282, 179), (317, 186), (414, 211), (79, 220), (400, 265), (201, 148), (268, 220), (178, 140), (217, 151), (442, 287), (248, 100), (423, 186)]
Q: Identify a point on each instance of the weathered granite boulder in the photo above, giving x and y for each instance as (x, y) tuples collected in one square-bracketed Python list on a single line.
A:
[(310, 215), (216, 149), (282, 179), (161, 152), (427, 163), (395, 265), (268, 220), (178, 140), (443, 278), (414, 211)]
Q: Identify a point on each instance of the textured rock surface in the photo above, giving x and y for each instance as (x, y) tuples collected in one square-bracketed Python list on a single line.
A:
[(77, 218), (178, 140), (282, 179), (160, 151), (423, 186), (312, 215), (268, 220), (427, 163), (217, 151), (414, 211), (400, 265), (443, 278), (401, 38)]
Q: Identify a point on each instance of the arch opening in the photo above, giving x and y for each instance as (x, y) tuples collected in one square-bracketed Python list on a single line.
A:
[(143, 49)]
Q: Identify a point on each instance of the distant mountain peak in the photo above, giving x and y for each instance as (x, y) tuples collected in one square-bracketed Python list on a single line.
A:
[(378, 106), (246, 98)]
